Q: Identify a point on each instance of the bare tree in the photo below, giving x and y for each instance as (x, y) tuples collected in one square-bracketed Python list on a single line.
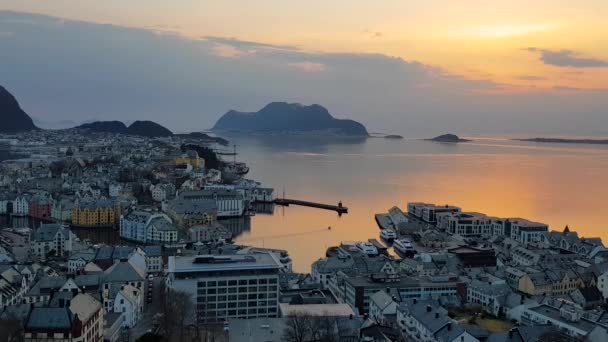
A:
[(297, 328), (177, 309), (301, 327)]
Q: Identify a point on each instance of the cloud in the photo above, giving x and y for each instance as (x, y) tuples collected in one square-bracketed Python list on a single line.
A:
[(502, 31), (372, 34), (531, 78), (567, 58), (187, 84), (229, 51), (308, 66)]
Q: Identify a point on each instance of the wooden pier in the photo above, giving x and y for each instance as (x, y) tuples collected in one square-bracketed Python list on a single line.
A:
[(340, 209)]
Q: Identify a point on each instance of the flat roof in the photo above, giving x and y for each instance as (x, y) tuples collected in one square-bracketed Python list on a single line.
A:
[(332, 310), (209, 263)]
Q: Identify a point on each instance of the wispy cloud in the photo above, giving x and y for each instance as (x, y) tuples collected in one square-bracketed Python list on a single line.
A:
[(502, 31), (308, 66), (567, 58), (531, 78)]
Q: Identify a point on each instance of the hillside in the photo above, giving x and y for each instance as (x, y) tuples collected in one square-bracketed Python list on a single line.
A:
[(12, 118)]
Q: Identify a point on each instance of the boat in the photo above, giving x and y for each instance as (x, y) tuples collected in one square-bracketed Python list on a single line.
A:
[(384, 221), (367, 248), (388, 235), (404, 247)]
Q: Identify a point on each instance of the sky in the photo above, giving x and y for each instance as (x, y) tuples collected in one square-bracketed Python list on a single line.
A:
[(473, 66)]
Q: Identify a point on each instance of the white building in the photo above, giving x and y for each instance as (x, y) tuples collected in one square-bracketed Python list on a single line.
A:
[(130, 302), (230, 203), (154, 259), (147, 227), (465, 224), (225, 287), (21, 206), (52, 238), (428, 212), (528, 232), (383, 308)]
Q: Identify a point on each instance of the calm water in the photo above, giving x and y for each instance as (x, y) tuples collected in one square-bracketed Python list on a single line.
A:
[(552, 183)]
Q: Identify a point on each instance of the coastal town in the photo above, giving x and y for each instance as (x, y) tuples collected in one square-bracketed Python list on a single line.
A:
[(175, 204)]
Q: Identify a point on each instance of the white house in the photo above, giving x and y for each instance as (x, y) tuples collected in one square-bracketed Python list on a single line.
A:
[(129, 301), (383, 308), (21, 206), (54, 238)]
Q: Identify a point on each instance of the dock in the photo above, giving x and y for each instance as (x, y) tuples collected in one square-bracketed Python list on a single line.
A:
[(340, 209)]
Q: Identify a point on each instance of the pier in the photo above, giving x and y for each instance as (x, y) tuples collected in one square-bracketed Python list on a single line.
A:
[(340, 209)]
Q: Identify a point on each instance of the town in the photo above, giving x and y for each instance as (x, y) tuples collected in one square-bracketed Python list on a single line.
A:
[(174, 273)]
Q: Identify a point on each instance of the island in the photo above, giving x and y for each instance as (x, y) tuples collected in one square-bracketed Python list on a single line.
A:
[(393, 136), (282, 117), (566, 141), (13, 119), (139, 128), (448, 138)]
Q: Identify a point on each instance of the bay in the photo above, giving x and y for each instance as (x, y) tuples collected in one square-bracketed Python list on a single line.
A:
[(556, 184)]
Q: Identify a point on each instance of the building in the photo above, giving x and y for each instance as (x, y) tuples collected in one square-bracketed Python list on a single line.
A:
[(130, 302), (95, 213), (113, 326), (358, 290), (210, 232), (79, 319), (528, 232), (465, 224), (383, 308), (550, 282), (565, 317), (230, 203), (21, 206), (52, 238), (146, 226), (226, 287), (78, 261), (428, 212), (188, 213), (154, 259), (428, 321), (115, 278), (40, 206), (62, 210), (191, 158), (474, 257)]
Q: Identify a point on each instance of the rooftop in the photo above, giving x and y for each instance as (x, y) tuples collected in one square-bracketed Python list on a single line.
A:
[(208, 263)]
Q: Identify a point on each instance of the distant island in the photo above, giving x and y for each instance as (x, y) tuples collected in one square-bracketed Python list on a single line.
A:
[(12, 118), (393, 136), (567, 141), (448, 138), (140, 128), (282, 117)]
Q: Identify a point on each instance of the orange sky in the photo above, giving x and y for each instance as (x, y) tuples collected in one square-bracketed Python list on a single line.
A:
[(478, 39)]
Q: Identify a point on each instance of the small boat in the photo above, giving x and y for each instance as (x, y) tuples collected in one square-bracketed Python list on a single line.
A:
[(388, 235), (367, 248), (404, 247)]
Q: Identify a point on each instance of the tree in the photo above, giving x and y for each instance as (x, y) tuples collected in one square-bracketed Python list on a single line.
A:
[(301, 327), (297, 328), (177, 308)]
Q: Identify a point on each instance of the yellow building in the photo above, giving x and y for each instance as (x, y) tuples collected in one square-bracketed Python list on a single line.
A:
[(190, 157), (95, 213), (551, 282)]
